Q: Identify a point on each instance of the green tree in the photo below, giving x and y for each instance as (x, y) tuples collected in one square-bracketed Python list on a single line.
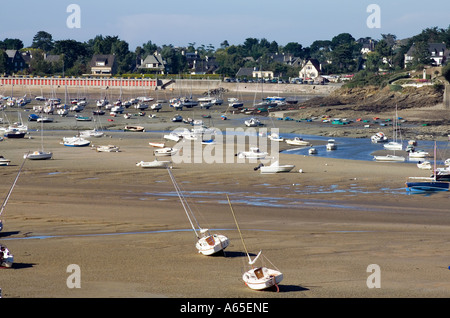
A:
[(176, 62), (72, 51), (446, 72), (294, 48), (11, 44), (43, 40)]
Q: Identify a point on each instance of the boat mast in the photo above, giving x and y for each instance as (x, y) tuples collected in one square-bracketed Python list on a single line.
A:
[(240, 234), (10, 191), (184, 203), (434, 164)]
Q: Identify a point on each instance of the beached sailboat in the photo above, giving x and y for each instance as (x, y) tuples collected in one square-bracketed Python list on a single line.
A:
[(253, 153), (166, 151), (6, 258), (107, 148), (207, 243), (297, 141), (75, 142), (275, 167), (257, 277), (390, 157), (153, 164), (395, 144), (39, 154)]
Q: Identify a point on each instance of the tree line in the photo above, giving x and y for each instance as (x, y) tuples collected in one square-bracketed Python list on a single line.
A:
[(341, 54)]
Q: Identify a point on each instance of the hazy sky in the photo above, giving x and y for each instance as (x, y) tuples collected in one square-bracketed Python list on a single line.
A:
[(180, 22)]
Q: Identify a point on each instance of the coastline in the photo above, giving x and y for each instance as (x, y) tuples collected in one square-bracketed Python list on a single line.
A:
[(126, 229)]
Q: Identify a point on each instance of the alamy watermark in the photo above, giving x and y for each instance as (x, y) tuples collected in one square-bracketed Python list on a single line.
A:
[(374, 19), (74, 279), (374, 279), (74, 19)]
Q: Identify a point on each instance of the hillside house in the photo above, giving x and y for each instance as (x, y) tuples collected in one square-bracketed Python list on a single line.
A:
[(311, 69), (15, 61), (154, 63), (103, 65), (438, 53)]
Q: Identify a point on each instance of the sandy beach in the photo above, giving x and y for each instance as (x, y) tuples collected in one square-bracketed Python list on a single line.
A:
[(125, 228)]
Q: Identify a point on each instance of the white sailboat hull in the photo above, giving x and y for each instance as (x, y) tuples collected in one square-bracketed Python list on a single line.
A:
[(38, 155), (389, 158), (75, 142), (262, 278), (392, 145), (153, 164), (276, 168), (8, 262), (212, 244)]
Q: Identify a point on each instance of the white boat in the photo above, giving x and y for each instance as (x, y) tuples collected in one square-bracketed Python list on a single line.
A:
[(258, 277), (134, 128), (45, 119), (253, 153), (297, 141), (393, 145), (389, 158), (91, 133), (4, 161), (156, 106), (166, 151), (75, 142), (379, 137), (38, 155), (145, 99), (275, 167), (177, 118), (424, 165), (107, 148), (418, 154), (172, 136), (154, 164), (207, 243), (275, 137), (252, 122), (141, 106), (331, 145), (312, 151), (6, 258), (206, 105)]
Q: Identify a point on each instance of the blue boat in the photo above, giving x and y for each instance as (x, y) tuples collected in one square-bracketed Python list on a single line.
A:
[(427, 186)]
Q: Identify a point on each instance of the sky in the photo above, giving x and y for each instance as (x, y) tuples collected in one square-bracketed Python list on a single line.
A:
[(199, 22)]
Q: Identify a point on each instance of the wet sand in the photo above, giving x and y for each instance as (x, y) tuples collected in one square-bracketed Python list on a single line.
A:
[(126, 229)]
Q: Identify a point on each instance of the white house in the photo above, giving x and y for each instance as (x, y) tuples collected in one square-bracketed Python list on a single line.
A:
[(311, 69), (437, 52)]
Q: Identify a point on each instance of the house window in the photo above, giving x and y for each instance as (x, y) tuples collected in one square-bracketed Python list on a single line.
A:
[(100, 63)]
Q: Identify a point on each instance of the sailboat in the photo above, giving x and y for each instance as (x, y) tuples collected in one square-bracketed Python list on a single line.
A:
[(9, 194), (207, 244), (394, 144), (6, 258), (430, 184), (258, 277), (39, 154)]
